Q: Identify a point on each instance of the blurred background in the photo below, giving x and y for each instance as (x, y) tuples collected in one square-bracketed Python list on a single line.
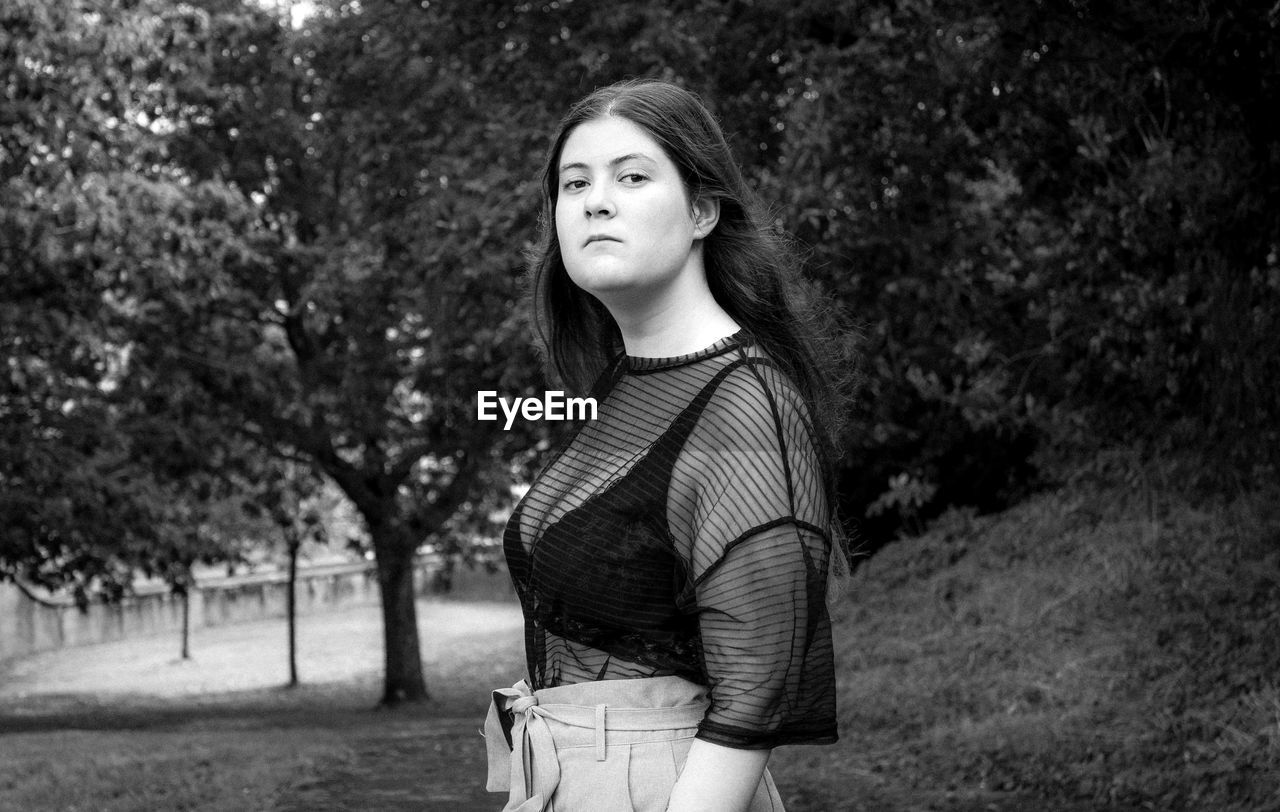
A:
[(258, 256)]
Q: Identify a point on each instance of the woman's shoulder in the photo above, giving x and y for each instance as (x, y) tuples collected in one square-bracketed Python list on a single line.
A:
[(755, 382), (754, 401)]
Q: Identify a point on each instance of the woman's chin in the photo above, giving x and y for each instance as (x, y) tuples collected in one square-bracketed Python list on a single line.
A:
[(604, 280)]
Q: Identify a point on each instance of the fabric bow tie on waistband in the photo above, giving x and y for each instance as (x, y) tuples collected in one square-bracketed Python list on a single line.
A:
[(511, 768), (523, 759)]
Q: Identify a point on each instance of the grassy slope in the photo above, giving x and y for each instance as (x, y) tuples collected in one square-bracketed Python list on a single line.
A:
[(1084, 651)]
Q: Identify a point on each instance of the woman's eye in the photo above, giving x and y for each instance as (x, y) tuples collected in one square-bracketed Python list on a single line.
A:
[(634, 177), (574, 185)]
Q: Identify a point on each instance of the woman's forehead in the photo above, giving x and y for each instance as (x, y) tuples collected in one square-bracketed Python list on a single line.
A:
[(608, 140)]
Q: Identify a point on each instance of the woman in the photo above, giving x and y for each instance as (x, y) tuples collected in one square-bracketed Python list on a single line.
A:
[(672, 559)]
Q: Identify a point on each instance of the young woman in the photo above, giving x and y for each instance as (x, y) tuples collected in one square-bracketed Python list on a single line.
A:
[(672, 560)]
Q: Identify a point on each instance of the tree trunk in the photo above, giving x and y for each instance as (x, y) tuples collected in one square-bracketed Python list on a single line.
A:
[(403, 680), (292, 610), (186, 622)]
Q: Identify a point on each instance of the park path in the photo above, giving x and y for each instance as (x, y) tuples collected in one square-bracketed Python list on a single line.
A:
[(427, 759)]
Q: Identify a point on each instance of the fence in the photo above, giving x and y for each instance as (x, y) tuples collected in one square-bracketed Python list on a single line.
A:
[(31, 622)]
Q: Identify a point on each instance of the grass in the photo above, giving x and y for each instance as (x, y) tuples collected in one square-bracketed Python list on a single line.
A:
[(1091, 649), (174, 745), (310, 749), (177, 770), (1099, 648), (141, 753)]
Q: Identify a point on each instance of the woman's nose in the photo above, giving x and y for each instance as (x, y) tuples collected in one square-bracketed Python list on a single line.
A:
[(598, 202)]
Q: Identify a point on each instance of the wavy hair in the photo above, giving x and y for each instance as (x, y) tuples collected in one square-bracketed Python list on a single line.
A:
[(751, 269)]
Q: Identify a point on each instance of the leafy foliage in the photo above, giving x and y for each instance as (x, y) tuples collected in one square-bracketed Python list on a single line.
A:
[(83, 205)]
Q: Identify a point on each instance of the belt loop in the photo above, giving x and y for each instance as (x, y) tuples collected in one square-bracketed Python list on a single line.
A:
[(600, 744)]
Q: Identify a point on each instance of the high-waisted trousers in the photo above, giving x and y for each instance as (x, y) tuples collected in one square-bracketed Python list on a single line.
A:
[(606, 746)]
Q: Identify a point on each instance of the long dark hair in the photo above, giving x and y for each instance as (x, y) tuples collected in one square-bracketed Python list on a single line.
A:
[(751, 270)]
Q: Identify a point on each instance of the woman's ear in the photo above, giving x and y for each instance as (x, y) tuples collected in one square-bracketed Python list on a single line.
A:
[(706, 213)]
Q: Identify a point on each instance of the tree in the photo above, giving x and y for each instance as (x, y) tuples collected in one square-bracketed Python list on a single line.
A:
[(1054, 220), (289, 494), (82, 204), (370, 298)]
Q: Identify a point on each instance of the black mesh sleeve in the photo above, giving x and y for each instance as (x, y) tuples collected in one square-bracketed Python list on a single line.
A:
[(748, 502)]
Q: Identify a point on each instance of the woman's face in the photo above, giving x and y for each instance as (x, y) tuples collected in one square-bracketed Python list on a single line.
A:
[(626, 226)]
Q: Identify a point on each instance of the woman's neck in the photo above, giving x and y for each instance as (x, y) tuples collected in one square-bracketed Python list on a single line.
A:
[(687, 318)]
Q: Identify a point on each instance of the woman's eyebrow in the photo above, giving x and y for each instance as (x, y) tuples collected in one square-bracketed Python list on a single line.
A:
[(621, 159)]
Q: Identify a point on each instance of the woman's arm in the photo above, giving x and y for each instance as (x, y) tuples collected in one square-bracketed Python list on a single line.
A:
[(716, 778)]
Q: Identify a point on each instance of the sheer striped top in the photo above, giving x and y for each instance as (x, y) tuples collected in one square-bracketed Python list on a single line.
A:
[(684, 532)]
